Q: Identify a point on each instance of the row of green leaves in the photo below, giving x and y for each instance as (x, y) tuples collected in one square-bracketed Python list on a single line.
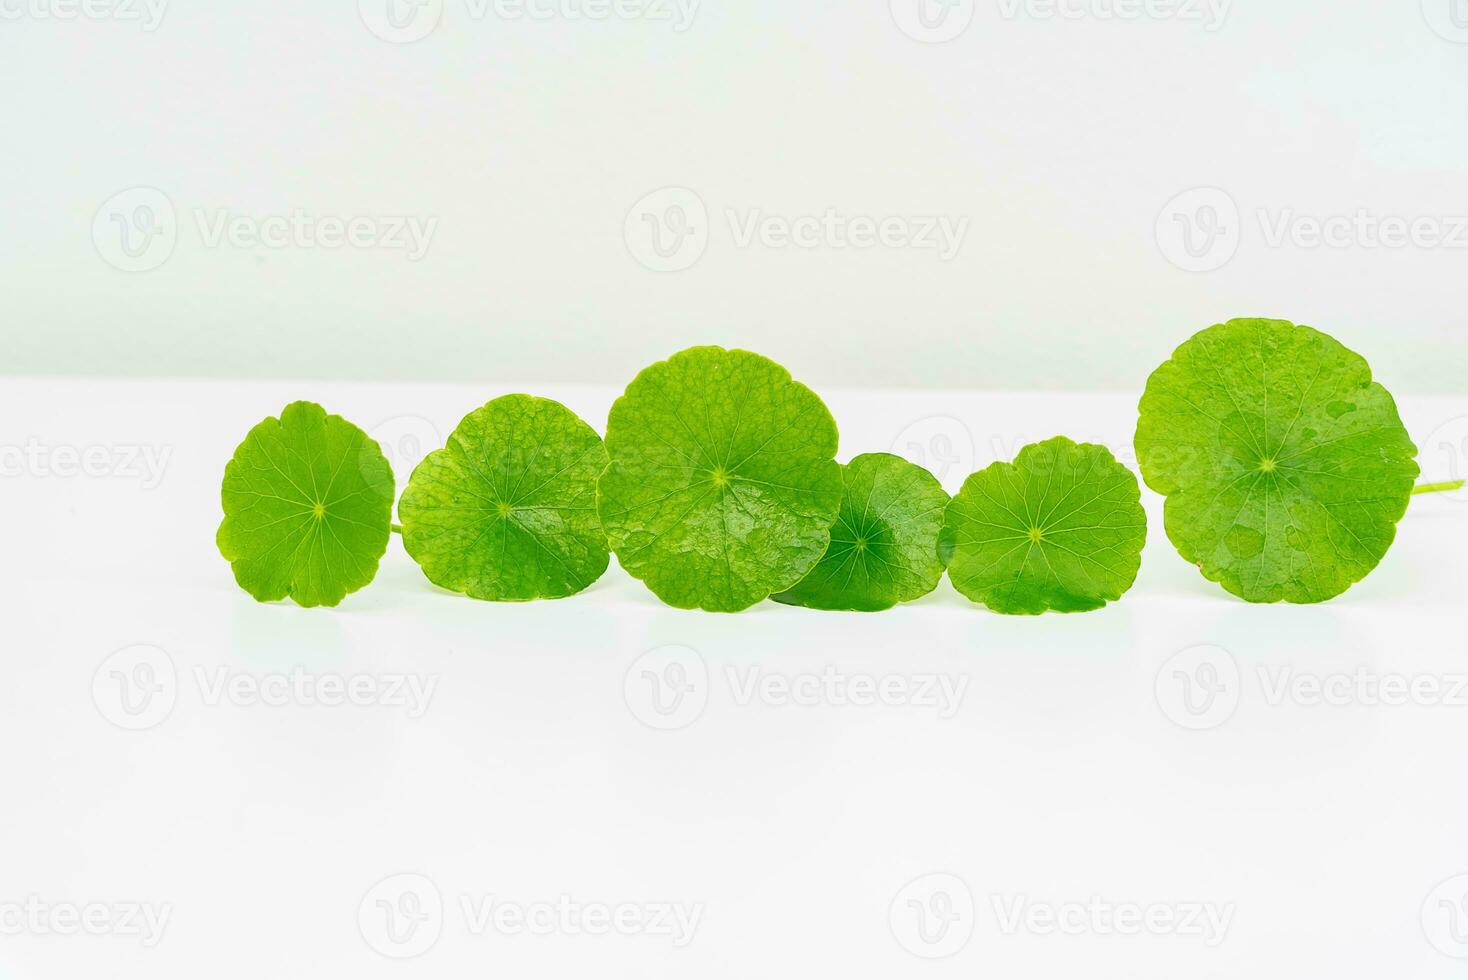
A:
[(1285, 468)]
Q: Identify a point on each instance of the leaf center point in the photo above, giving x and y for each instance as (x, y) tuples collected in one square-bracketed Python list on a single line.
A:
[(1267, 465), (1036, 534), (318, 510)]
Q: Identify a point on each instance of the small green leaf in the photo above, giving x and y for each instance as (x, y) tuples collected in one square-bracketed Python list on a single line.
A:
[(884, 544), (722, 485), (1059, 529), (307, 508), (507, 510), (1285, 467)]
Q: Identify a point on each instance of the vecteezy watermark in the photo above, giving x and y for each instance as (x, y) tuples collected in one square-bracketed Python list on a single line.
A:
[(1448, 19), (400, 21), (1444, 454), (833, 230), (405, 440), (406, 21), (34, 916), (412, 693), (146, 13), (299, 229), (941, 444), (1445, 917), (932, 21), (138, 230), (669, 230), (1211, 14), (668, 688), (144, 464), (935, 916), (401, 916), (932, 917), (1097, 916), (1361, 688), (1200, 688), (404, 915), (1201, 230), (137, 688)]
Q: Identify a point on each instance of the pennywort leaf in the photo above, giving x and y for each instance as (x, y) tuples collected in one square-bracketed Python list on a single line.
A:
[(884, 544), (1285, 467), (1059, 529), (307, 508), (507, 510), (722, 483)]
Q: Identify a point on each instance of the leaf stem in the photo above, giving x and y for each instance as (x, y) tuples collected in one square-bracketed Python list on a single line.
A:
[(1437, 487), (397, 529)]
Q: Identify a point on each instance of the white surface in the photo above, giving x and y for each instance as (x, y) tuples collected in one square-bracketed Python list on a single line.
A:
[(1066, 771), (1062, 132)]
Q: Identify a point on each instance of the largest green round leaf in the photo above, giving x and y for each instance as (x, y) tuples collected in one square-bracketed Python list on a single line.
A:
[(307, 508), (723, 484), (507, 510), (1286, 468)]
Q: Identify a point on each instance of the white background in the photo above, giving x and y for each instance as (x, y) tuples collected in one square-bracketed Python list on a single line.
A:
[(1109, 169), (1061, 140)]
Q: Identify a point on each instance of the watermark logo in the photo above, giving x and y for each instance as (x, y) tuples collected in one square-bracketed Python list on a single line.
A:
[(143, 463), (1210, 13), (932, 21), (143, 921), (932, 917), (136, 230), (940, 444), (1199, 688), (1098, 916), (1444, 454), (676, 922), (147, 13), (401, 916), (668, 230), (136, 688), (1448, 19), (411, 693), (405, 440), (404, 915), (940, 693), (1200, 230), (401, 21), (667, 688), (832, 230), (1445, 917)]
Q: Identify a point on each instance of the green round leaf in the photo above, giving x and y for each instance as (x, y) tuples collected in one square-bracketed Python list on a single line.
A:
[(1059, 529), (884, 544), (507, 510), (1285, 467), (307, 508), (722, 485)]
